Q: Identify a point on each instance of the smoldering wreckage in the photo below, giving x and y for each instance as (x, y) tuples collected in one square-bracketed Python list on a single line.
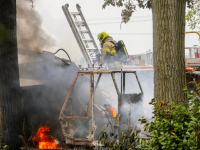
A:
[(74, 104)]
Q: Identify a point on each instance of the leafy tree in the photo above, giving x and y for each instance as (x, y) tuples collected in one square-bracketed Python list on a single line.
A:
[(193, 15), (9, 76), (168, 43)]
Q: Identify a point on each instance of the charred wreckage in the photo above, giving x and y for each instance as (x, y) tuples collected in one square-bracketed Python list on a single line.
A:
[(80, 128), (86, 110)]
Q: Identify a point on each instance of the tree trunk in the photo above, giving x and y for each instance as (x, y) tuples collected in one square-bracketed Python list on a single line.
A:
[(169, 49), (9, 76)]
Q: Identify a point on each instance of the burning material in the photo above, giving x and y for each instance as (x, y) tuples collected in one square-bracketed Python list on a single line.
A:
[(86, 129), (44, 140), (114, 114)]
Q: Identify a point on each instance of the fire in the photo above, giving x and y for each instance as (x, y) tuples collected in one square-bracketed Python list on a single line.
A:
[(45, 141), (114, 114)]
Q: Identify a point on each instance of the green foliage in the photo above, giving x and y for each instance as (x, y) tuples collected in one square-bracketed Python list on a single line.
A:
[(175, 126), (196, 87), (130, 6), (193, 15), (5, 147), (126, 142)]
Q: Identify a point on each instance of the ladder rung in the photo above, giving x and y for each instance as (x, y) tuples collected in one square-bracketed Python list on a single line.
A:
[(74, 13), (93, 57), (91, 48), (84, 31), (87, 40), (79, 22)]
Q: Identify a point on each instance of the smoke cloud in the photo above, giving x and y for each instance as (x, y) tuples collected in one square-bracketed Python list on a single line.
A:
[(30, 34), (40, 75)]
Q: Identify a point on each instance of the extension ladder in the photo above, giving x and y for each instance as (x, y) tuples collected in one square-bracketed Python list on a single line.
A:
[(81, 32)]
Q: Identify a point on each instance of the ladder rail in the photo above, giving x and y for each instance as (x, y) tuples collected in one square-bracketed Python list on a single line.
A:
[(79, 40), (85, 41), (91, 54), (87, 27), (83, 37)]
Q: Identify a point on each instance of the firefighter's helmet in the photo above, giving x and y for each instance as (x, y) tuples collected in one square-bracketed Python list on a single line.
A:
[(101, 36)]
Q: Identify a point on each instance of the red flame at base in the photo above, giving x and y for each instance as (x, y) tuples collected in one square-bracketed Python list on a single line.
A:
[(45, 141)]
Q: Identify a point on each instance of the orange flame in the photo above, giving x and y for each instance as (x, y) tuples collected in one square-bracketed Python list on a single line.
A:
[(114, 114), (44, 140)]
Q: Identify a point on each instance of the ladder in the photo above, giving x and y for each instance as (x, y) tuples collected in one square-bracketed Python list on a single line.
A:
[(81, 32)]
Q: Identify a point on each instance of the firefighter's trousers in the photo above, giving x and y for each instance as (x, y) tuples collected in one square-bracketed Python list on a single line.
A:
[(115, 65)]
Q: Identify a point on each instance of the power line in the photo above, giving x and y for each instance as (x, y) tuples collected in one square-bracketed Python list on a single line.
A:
[(118, 22), (114, 18), (127, 33)]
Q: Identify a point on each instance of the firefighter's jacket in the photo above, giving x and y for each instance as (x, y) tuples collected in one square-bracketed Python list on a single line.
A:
[(109, 47), (109, 54)]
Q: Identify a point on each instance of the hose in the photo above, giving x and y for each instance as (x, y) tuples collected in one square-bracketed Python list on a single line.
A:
[(63, 51)]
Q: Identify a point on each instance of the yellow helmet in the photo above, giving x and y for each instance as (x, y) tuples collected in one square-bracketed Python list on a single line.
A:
[(101, 36)]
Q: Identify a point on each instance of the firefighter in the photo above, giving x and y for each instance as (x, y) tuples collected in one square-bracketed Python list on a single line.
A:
[(108, 50)]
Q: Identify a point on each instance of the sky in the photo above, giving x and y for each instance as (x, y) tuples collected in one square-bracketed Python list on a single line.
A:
[(137, 34)]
